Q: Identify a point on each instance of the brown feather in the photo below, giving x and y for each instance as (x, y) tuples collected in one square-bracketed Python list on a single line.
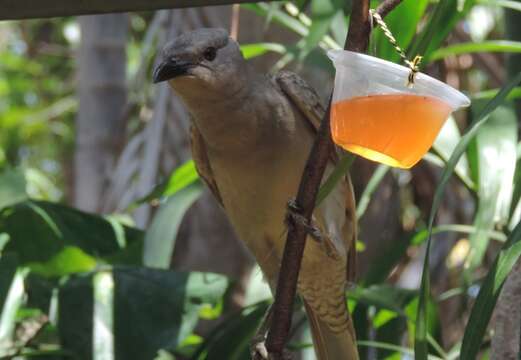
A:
[(307, 101), (202, 164)]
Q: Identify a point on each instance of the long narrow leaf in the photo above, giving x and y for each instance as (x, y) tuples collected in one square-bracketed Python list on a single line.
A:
[(474, 47), (371, 187), (445, 16), (488, 294), (160, 237), (509, 4), (496, 159), (420, 343), (338, 173)]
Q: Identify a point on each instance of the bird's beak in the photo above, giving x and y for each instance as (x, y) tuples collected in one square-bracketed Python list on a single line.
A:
[(170, 69)]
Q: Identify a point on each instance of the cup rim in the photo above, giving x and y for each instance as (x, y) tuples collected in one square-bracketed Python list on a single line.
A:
[(339, 57)]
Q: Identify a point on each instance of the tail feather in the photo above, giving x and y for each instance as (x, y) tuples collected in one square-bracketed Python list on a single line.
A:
[(329, 344)]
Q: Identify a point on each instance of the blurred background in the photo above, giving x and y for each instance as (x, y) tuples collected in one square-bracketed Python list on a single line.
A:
[(111, 248)]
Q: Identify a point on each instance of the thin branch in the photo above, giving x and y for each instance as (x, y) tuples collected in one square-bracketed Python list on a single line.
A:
[(234, 26), (27, 9), (387, 6), (357, 40)]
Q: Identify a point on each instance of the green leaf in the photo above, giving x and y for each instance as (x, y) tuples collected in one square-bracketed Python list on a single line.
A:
[(12, 300), (103, 316), (420, 340), (403, 31), (387, 259), (489, 94), (383, 296), (59, 227), (488, 294), (273, 12), (12, 187), (422, 235), (445, 16), (160, 236), (68, 261), (474, 47), (445, 144), (496, 143), (178, 179), (322, 14), (145, 310), (250, 51), (231, 339), (514, 5), (341, 170), (370, 188), (393, 347)]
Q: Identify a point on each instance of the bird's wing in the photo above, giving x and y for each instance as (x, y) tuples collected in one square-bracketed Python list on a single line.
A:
[(307, 101), (202, 164)]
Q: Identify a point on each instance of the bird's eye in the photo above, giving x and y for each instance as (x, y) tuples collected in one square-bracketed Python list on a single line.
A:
[(210, 53)]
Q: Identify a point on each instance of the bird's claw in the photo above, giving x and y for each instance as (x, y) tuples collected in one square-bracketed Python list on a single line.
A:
[(259, 352), (258, 349), (294, 216)]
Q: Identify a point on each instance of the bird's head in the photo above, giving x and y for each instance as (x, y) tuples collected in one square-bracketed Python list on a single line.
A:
[(201, 60)]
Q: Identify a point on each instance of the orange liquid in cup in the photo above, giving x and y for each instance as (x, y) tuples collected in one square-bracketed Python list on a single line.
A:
[(395, 130)]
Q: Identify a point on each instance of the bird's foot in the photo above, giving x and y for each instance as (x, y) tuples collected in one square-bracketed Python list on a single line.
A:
[(258, 351), (294, 216)]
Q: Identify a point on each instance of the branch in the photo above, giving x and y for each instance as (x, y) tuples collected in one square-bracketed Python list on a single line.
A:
[(357, 40), (26, 9)]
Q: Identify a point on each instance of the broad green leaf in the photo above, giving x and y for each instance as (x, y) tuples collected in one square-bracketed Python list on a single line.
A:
[(496, 154), (387, 259), (231, 339), (59, 226), (68, 261), (12, 187), (165, 304), (420, 339), (488, 294), (445, 144), (160, 236), (403, 31), (339, 27), (474, 47)]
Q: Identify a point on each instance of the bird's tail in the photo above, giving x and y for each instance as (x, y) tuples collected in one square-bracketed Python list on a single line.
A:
[(329, 344)]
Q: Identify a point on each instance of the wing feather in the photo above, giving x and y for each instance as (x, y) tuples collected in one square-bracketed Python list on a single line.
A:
[(308, 103), (202, 164)]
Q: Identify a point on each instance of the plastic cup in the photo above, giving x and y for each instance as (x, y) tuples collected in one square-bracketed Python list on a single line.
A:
[(376, 115)]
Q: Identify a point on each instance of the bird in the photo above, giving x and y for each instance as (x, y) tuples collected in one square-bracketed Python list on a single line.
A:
[(251, 134)]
